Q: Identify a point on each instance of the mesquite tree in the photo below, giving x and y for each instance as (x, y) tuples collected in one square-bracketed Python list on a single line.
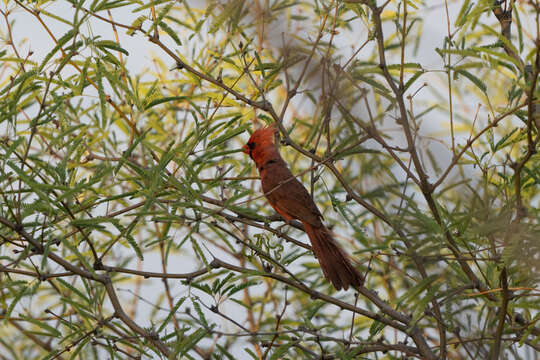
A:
[(133, 226)]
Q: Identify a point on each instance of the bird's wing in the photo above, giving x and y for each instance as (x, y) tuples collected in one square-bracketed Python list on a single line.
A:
[(288, 196)]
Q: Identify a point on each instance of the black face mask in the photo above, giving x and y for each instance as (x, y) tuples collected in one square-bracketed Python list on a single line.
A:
[(250, 146)]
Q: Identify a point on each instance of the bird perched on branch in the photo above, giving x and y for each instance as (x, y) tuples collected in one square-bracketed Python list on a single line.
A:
[(291, 200)]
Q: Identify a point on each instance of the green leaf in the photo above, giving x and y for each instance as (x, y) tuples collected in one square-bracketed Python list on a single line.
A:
[(75, 291), (109, 44), (476, 81), (150, 4), (101, 92), (371, 82), (233, 290), (163, 26), (61, 42), (461, 19), (375, 328), (281, 351), (12, 147), (223, 351), (412, 79), (164, 100), (106, 5), (160, 15), (49, 330), (188, 343), (137, 24), (200, 313), (92, 222), (72, 247), (413, 294), (229, 134), (519, 27), (260, 66), (126, 233), (405, 66), (128, 152), (18, 295), (20, 80), (80, 346), (171, 313), (502, 142), (251, 353)]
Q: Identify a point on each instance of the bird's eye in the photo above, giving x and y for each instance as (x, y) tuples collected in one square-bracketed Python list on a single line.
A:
[(251, 145)]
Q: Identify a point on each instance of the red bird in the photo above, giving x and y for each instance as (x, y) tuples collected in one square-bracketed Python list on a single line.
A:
[(291, 200)]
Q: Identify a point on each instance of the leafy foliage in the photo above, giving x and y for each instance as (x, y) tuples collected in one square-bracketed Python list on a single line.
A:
[(132, 225)]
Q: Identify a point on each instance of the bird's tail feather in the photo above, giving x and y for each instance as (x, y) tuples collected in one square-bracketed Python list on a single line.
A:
[(337, 267)]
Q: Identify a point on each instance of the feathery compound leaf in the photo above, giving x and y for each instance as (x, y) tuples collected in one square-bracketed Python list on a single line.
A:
[(476, 81), (21, 80), (137, 24), (163, 26), (281, 351), (189, 342), (109, 44), (197, 307), (229, 135), (412, 79), (61, 42), (107, 5), (17, 296), (115, 149), (161, 14), (101, 92), (171, 313), (150, 4), (164, 100)]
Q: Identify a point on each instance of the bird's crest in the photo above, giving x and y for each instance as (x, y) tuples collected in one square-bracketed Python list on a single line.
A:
[(262, 144), (265, 134)]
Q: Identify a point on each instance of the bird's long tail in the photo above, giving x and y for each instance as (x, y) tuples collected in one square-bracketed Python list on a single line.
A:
[(337, 267)]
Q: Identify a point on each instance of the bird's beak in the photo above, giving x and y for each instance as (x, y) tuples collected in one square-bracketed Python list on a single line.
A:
[(245, 149)]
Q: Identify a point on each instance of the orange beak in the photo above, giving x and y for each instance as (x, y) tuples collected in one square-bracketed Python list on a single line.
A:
[(245, 149)]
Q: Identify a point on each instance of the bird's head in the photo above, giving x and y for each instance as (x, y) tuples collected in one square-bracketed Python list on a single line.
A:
[(261, 140)]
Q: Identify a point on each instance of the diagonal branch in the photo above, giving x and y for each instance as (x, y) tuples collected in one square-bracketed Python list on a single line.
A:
[(103, 279)]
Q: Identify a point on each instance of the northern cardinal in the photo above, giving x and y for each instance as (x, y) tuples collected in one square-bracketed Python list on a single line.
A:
[(291, 200)]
